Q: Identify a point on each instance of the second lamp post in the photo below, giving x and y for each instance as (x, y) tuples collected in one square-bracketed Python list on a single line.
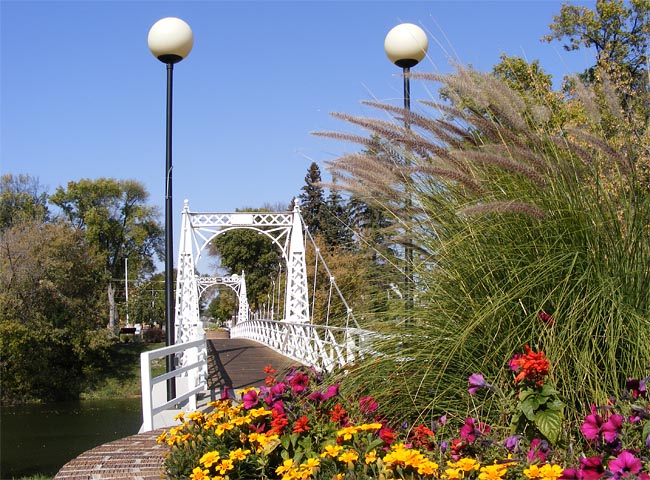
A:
[(406, 45)]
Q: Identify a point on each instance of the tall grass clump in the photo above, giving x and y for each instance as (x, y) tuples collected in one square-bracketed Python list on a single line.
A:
[(527, 231)]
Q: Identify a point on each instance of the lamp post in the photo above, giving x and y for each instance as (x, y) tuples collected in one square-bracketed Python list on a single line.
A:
[(406, 45), (170, 41)]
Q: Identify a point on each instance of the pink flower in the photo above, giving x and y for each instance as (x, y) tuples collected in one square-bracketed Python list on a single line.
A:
[(299, 382), (539, 449), (612, 428), (592, 424), (470, 431), (513, 363), (625, 464), (368, 404), (591, 468), (319, 396), (250, 399)]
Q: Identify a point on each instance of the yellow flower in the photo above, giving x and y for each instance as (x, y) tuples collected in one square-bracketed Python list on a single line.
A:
[(370, 426), (199, 474), (348, 456), (260, 412), (311, 463), (225, 465), (453, 474), (551, 472), (492, 472), (347, 432), (286, 466), (331, 451), (532, 472), (371, 457), (209, 459), (179, 416), (239, 454), (466, 464), (427, 467), (162, 437)]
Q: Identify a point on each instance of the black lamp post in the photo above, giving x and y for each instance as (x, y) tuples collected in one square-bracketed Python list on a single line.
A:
[(170, 40), (406, 45)]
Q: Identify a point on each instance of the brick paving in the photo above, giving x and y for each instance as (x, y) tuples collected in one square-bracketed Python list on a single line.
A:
[(232, 363)]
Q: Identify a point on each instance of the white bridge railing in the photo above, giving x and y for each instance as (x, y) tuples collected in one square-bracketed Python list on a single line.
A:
[(195, 369), (322, 347)]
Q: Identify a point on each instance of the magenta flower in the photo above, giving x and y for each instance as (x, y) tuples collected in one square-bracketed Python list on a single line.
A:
[(591, 468), (539, 450), (514, 366), (612, 428), (299, 382), (250, 399), (592, 425), (471, 430), (368, 405), (320, 396), (477, 382), (625, 464)]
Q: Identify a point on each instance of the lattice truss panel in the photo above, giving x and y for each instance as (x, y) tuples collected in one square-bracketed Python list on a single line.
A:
[(237, 283)]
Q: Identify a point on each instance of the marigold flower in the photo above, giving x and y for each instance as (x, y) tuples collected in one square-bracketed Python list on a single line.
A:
[(239, 454), (551, 472), (466, 464), (331, 451), (285, 467), (533, 471), (492, 472), (371, 457), (199, 474), (209, 459), (348, 456)]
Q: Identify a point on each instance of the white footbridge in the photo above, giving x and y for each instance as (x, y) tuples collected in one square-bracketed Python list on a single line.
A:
[(325, 346)]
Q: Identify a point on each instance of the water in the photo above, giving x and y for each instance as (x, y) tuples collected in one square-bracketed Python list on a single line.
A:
[(40, 439)]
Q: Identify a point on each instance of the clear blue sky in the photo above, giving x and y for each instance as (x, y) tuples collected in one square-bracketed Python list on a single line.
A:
[(82, 96)]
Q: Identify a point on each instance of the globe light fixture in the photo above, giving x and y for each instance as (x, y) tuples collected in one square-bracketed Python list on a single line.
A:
[(170, 41), (405, 46)]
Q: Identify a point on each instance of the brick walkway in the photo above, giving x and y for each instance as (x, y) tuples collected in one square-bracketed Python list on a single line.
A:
[(232, 363), (138, 457)]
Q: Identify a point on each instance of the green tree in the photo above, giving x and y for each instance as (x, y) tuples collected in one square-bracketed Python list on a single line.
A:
[(255, 254), (312, 201), (336, 224), (21, 199), (116, 220), (619, 32), (223, 306), (147, 301), (49, 303)]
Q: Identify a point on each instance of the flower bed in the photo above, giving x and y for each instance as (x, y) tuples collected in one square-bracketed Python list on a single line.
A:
[(300, 427)]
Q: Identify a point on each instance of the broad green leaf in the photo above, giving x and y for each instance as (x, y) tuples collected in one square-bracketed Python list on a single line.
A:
[(549, 423)]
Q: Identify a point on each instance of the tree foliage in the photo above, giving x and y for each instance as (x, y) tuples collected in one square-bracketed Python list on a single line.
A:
[(116, 220), (22, 199), (312, 201)]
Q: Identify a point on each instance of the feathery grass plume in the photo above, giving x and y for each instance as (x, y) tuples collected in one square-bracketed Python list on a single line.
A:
[(504, 207), (504, 163), (483, 274)]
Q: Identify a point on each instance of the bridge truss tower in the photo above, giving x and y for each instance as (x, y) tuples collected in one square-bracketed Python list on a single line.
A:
[(285, 229)]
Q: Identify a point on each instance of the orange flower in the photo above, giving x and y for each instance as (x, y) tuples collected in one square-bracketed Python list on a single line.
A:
[(301, 425), (338, 414), (534, 366)]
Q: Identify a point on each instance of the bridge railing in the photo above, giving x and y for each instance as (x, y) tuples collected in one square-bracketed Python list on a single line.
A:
[(322, 347), (195, 354)]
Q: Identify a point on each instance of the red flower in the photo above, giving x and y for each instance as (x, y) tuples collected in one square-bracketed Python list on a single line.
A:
[(534, 366), (422, 437), (388, 435), (301, 425), (338, 414), (278, 422)]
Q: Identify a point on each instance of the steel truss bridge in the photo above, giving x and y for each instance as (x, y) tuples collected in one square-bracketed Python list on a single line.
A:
[(324, 347)]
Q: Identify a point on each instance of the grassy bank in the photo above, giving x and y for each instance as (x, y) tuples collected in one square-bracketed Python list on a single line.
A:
[(120, 377)]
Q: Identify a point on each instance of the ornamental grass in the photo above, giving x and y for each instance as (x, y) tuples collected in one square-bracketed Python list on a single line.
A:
[(301, 427)]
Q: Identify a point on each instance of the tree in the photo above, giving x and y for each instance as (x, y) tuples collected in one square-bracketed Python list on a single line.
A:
[(312, 201), (223, 306), (620, 35), (254, 254), (116, 220), (336, 224), (147, 301), (48, 311), (21, 199)]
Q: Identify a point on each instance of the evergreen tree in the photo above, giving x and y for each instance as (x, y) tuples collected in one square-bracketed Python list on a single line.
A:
[(337, 221), (312, 201)]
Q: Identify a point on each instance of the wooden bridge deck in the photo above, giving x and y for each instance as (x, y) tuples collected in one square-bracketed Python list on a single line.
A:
[(232, 363)]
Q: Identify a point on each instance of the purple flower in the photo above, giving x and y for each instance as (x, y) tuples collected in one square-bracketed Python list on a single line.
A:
[(471, 430), (512, 443), (477, 382), (320, 396), (592, 424), (624, 464), (612, 428)]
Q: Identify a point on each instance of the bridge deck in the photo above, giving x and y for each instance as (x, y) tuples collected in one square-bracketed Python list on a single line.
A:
[(232, 363)]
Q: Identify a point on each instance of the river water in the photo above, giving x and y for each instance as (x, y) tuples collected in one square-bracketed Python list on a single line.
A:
[(40, 439)]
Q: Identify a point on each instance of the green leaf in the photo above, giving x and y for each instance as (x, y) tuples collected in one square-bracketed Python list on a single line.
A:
[(556, 404), (549, 423), (548, 390), (529, 406), (525, 394)]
